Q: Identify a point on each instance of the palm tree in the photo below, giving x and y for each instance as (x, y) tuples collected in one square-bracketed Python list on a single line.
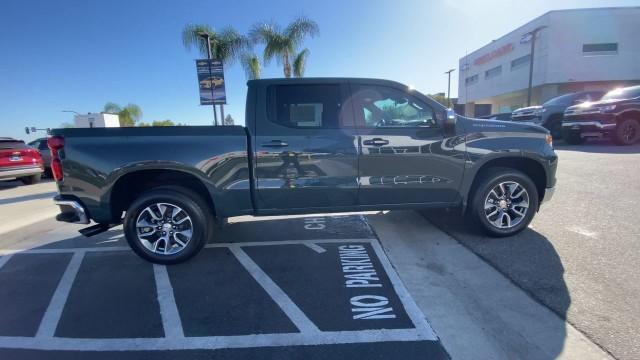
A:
[(226, 45), (128, 115), (300, 62), (282, 44), (251, 65)]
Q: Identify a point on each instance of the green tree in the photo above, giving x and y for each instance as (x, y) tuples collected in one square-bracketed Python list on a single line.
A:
[(66, 125), (441, 98), (128, 115), (228, 120), (251, 65), (300, 63), (166, 122), (283, 44)]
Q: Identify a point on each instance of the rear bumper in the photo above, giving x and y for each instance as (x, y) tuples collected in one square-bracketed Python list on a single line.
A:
[(71, 211), (19, 172)]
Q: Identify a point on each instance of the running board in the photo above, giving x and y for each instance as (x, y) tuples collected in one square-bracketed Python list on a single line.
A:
[(96, 229)]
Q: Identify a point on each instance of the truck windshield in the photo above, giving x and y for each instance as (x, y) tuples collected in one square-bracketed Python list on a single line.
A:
[(621, 94), (561, 100)]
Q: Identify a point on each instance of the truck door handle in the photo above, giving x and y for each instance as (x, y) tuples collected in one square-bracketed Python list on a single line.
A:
[(376, 142), (275, 143)]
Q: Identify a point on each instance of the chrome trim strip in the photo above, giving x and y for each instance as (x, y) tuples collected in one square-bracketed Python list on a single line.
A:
[(77, 208), (594, 123)]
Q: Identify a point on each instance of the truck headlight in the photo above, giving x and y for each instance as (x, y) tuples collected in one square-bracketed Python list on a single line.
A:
[(605, 108), (540, 111)]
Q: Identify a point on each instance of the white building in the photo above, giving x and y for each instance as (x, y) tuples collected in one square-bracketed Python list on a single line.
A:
[(580, 49), (92, 120)]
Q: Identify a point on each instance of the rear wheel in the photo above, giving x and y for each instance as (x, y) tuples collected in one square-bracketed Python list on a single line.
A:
[(627, 132), (30, 180), (167, 226), (573, 138), (504, 202)]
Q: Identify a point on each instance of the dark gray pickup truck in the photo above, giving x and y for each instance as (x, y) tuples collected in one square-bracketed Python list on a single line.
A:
[(309, 146)]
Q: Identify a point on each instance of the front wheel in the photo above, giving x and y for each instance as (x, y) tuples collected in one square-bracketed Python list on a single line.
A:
[(504, 202), (627, 132), (167, 226)]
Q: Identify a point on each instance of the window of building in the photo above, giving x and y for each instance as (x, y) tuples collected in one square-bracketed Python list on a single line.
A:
[(520, 62), (600, 49), (471, 80), (493, 72), (305, 106), (382, 106)]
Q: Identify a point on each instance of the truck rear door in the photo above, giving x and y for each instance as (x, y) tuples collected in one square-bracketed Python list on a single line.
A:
[(305, 148)]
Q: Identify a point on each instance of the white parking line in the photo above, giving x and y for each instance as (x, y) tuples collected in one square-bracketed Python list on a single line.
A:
[(168, 309), (315, 247), (174, 334), (52, 316), (292, 310), (213, 342)]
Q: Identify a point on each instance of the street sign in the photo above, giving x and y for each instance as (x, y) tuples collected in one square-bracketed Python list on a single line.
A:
[(211, 82)]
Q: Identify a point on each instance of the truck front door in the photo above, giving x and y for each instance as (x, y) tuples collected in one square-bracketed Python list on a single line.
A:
[(404, 159), (305, 149)]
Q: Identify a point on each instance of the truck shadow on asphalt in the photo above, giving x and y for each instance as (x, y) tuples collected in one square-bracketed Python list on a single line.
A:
[(528, 259)]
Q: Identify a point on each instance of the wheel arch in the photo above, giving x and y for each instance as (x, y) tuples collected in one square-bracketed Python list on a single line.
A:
[(127, 187), (530, 167)]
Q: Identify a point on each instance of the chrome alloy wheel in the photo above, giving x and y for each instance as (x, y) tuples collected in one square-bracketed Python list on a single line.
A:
[(164, 228), (506, 205)]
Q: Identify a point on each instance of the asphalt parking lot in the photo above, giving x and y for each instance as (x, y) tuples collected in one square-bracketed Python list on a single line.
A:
[(580, 255), (277, 287), (249, 294)]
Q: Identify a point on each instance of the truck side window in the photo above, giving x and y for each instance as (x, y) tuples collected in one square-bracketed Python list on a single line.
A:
[(388, 107), (304, 106)]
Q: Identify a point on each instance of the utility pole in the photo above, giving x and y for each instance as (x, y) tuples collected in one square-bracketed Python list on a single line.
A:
[(205, 36), (449, 86), (531, 36)]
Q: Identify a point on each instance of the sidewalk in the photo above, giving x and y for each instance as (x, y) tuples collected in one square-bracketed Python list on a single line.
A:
[(23, 205), (476, 312)]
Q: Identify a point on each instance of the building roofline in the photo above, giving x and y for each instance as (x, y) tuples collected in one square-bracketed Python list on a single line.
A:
[(543, 15)]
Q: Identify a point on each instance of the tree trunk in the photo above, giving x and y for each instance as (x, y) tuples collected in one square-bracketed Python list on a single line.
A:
[(287, 65)]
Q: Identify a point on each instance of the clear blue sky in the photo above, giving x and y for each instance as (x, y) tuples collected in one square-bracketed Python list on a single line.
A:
[(78, 55)]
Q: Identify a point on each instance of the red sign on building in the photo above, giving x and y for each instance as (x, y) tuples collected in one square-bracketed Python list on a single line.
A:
[(494, 54)]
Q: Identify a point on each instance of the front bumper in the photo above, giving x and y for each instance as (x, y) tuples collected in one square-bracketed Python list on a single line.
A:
[(19, 172), (588, 128), (71, 211)]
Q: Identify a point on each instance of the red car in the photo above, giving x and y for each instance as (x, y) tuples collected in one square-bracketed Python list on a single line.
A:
[(19, 161)]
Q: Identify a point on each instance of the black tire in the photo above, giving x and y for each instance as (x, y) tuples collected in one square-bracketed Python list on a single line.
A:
[(573, 138), (30, 180), (188, 201), (627, 132), (491, 179)]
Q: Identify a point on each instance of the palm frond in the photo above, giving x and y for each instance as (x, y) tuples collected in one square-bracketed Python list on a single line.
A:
[(300, 62), (299, 28), (251, 65), (191, 37), (231, 44)]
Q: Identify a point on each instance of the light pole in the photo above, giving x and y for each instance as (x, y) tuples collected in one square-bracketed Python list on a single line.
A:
[(531, 36), (449, 86), (71, 111), (204, 35)]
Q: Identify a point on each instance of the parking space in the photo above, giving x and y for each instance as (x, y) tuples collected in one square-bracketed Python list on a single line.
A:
[(309, 286)]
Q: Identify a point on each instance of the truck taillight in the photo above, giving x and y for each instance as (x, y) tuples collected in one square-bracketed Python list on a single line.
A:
[(56, 143)]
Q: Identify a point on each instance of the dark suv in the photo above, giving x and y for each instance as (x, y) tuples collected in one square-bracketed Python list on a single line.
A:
[(550, 113), (617, 116)]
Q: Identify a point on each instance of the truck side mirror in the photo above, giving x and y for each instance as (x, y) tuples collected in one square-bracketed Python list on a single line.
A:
[(449, 122)]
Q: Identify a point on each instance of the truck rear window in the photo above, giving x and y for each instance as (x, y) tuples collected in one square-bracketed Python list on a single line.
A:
[(305, 106)]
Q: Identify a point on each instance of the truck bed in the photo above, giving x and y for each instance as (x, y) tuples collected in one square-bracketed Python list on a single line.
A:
[(94, 160)]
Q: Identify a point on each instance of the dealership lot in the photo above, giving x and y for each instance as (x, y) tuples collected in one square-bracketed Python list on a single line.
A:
[(274, 281)]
